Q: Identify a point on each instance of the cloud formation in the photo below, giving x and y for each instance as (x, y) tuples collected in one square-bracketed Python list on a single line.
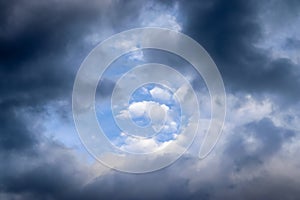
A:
[(42, 45)]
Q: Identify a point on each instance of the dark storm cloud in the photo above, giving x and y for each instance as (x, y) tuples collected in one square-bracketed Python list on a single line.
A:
[(32, 29), (41, 46), (229, 31), (145, 186), (15, 136), (43, 43), (52, 172), (32, 37)]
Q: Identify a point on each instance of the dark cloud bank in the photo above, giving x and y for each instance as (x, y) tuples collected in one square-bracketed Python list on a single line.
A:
[(41, 47)]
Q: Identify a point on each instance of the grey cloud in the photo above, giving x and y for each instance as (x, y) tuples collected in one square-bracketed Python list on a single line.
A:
[(216, 177), (265, 140), (230, 32), (50, 172), (43, 43), (147, 186), (15, 136), (292, 43), (41, 46)]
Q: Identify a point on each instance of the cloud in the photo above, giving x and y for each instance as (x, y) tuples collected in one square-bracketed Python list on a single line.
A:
[(233, 46), (42, 45), (15, 135), (139, 109), (160, 94), (257, 142)]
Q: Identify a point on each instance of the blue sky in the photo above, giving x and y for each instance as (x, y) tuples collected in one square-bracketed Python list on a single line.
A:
[(139, 105)]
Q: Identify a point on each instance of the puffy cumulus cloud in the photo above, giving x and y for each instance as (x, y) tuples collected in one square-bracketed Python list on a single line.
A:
[(164, 120), (161, 94), (155, 111), (140, 109)]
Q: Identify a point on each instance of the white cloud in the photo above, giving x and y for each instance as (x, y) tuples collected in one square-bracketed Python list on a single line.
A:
[(141, 146), (288, 118), (158, 16), (143, 108), (247, 109), (161, 94), (164, 20), (137, 55)]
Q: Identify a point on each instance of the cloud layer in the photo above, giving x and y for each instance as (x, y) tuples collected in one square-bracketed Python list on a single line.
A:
[(42, 45)]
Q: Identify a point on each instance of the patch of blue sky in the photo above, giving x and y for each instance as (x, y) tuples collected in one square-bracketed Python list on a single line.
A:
[(103, 105), (106, 120), (124, 64), (142, 94)]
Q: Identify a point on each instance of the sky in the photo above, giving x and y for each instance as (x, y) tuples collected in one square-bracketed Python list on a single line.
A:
[(256, 47)]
